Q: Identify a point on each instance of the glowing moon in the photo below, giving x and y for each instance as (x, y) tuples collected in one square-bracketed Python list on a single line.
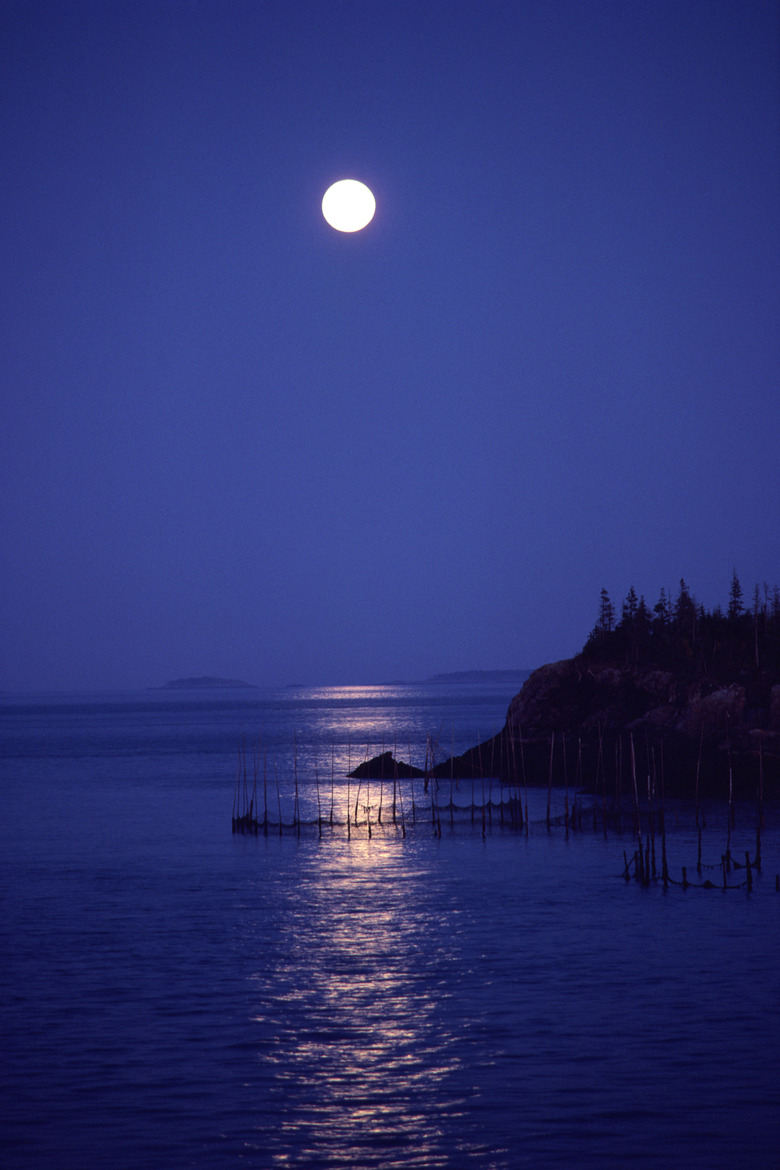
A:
[(348, 205)]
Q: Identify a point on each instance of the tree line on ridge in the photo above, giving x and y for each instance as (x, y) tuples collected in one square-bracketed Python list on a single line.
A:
[(682, 636)]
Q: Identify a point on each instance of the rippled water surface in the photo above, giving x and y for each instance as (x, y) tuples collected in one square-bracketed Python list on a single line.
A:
[(176, 995)]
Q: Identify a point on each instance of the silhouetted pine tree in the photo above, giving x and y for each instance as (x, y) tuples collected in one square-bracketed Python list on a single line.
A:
[(735, 598), (691, 640)]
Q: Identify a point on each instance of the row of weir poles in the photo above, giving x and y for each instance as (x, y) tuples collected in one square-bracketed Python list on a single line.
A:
[(516, 810), (645, 871), (643, 862), (246, 804)]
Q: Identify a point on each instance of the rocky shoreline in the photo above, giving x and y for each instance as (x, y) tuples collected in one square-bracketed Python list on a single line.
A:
[(687, 732), (597, 727)]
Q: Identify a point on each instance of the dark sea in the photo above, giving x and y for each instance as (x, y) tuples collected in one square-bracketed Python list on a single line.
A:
[(175, 994)]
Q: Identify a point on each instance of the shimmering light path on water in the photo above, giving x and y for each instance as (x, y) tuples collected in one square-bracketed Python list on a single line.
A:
[(178, 996)]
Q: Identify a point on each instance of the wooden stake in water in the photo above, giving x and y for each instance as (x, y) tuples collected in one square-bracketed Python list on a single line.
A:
[(429, 753), (278, 798), (332, 777), (349, 801), (633, 785), (482, 778), (731, 804), (452, 775), (566, 787), (246, 791), (401, 800), (265, 791), (650, 802), (517, 816), (237, 788), (664, 866), (395, 776), (759, 805), (525, 784), (619, 784), (296, 806), (637, 824), (253, 803), (698, 771), (317, 782), (601, 771), (357, 799)]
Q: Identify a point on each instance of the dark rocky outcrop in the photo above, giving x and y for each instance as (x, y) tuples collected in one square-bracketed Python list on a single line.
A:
[(385, 767), (578, 721), (594, 699)]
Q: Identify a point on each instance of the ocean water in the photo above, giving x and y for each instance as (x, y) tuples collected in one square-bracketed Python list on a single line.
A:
[(178, 995)]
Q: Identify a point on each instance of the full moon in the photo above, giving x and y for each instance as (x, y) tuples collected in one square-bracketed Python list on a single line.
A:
[(348, 205)]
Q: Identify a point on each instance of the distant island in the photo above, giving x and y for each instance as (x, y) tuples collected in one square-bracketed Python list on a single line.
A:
[(477, 676), (211, 682), (205, 682)]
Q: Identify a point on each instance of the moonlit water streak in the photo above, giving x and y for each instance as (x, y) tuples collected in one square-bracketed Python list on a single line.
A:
[(175, 995)]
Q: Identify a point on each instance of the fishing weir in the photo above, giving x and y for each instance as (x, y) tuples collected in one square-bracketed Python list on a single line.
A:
[(389, 796), (381, 793)]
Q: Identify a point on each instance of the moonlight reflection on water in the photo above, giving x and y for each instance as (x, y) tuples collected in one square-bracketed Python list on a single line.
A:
[(368, 1044), (177, 994)]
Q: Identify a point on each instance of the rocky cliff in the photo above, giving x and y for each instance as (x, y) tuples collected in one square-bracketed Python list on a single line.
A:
[(591, 698), (595, 725)]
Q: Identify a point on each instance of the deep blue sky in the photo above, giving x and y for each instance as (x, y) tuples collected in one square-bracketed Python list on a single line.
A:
[(236, 442)]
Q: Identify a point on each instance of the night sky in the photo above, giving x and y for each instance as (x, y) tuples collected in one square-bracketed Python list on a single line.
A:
[(237, 442)]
